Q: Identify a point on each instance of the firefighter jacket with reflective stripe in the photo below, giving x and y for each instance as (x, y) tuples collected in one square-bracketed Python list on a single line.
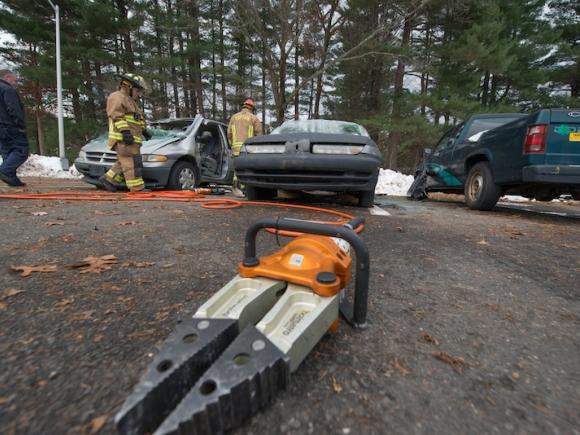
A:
[(124, 114), (243, 125)]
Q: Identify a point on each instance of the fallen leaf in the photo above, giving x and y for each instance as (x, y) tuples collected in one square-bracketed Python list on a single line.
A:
[(482, 242), (50, 224), (456, 362), (167, 265), (27, 270), (397, 365), (106, 213), (138, 264), (98, 338), (144, 333), (85, 315), (64, 303), (336, 386), (10, 292), (39, 213), (127, 223), (3, 306), (96, 424), (67, 238), (430, 339), (4, 400), (94, 264), (125, 299)]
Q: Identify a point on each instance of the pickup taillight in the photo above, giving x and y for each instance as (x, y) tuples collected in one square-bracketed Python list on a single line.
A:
[(535, 140)]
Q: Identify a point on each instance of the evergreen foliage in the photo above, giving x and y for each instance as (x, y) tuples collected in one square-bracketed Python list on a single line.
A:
[(406, 69)]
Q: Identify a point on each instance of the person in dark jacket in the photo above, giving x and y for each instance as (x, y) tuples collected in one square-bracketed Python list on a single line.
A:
[(13, 141)]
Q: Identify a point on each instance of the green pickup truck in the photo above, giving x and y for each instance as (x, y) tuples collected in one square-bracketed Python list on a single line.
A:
[(536, 156)]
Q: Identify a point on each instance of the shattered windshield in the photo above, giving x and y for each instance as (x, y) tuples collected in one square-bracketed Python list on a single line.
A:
[(321, 126), (165, 130)]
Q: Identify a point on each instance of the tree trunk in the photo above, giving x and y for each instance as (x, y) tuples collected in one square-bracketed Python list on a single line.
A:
[(76, 103), (195, 59), (328, 29), (485, 89), (310, 99), (281, 100), (173, 69), (222, 60), (38, 114), (213, 63), (185, 83), (264, 96), (90, 91), (296, 65), (396, 136), (128, 55)]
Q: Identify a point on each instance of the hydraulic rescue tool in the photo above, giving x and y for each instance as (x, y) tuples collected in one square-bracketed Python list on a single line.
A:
[(236, 353)]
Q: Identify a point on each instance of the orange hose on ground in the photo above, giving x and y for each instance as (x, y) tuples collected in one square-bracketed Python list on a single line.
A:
[(180, 196)]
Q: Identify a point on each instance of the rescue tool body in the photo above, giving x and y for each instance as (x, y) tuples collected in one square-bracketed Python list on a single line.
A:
[(237, 352)]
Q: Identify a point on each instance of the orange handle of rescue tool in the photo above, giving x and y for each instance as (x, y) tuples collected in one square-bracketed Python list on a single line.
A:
[(355, 313)]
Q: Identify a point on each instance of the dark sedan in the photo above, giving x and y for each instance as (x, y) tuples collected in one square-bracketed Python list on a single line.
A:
[(311, 155)]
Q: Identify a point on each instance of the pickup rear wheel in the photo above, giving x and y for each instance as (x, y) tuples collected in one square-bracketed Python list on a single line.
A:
[(481, 192)]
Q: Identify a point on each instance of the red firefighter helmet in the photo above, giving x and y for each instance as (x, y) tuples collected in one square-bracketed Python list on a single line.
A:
[(249, 104)]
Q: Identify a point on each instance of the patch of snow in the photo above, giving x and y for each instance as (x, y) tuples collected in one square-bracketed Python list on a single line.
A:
[(393, 183), (514, 198), (43, 166)]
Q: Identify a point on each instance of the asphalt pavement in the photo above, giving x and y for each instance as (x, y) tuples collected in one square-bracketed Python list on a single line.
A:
[(474, 317)]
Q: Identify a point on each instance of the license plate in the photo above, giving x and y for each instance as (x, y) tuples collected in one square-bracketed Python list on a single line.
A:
[(574, 136), (96, 171)]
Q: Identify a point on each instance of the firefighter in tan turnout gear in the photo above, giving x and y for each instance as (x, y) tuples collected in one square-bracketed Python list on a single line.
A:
[(126, 133), (243, 125)]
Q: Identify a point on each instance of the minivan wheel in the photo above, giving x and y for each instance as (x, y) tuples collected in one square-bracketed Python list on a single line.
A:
[(184, 176), (481, 192)]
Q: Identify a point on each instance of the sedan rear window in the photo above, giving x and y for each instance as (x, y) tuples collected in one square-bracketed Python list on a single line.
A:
[(321, 126)]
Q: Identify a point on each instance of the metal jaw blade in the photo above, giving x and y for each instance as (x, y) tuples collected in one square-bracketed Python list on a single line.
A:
[(186, 355), (190, 350), (244, 380)]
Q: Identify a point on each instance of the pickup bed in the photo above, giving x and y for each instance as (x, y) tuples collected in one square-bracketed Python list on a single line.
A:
[(536, 156)]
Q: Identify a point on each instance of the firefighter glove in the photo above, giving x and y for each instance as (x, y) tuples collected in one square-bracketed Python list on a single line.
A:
[(147, 134), (127, 137)]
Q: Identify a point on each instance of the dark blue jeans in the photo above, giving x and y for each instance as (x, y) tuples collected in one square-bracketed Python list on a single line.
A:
[(14, 150)]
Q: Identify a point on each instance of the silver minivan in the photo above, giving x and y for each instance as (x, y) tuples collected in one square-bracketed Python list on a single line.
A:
[(182, 154)]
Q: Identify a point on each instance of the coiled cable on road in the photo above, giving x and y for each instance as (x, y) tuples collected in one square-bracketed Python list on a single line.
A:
[(183, 196)]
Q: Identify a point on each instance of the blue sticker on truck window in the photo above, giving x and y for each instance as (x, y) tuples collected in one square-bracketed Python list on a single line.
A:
[(565, 130)]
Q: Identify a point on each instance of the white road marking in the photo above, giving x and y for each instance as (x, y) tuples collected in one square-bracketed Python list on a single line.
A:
[(377, 211)]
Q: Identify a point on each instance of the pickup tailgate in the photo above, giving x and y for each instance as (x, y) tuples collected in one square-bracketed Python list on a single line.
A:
[(563, 142)]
